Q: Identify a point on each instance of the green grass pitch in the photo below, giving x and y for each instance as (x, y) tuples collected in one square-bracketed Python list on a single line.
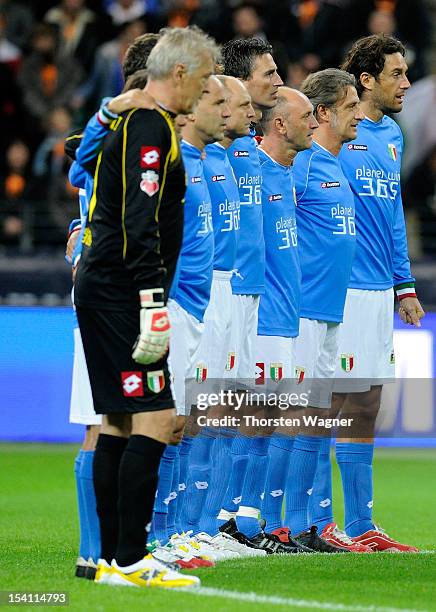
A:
[(39, 533)]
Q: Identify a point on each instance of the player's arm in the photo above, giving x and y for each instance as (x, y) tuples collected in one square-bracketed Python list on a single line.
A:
[(146, 149), (98, 126), (410, 311)]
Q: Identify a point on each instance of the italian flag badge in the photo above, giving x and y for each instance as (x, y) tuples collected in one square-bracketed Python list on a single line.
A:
[(230, 361), (392, 151), (156, 381), (299, 375), (200, 373), (276, 371), (347, 362)]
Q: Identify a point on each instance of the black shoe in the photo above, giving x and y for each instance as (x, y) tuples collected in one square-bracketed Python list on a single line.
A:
[(80, 571), (229, 527), (268, 542), (273, 545), (84, 569), (312, 540), (90, 572)]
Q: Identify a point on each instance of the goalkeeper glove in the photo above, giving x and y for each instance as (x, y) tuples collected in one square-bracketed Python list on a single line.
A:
[(152, 342)]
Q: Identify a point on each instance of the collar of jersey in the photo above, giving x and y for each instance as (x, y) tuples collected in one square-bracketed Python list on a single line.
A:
[(316, 144), (195, 150), (276, 163)]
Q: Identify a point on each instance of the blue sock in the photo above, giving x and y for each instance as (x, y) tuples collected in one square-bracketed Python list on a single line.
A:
[(83, 523), (239, 456), (92, 522), (320, 511), (222, 465), (200, 469), (159, 528), (172, 506), (355, 462), (302, 469), (184, 452), (280, 449), (247, 518)]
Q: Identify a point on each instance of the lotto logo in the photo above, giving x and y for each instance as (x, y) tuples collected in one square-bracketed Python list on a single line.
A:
[(276, 493), (325, 503), (150, 157), (218, 177), (201, 484), (160, 322), (195, 179), (274, 197), (132, 384), (260, 373), (241, 154), (330, 184), (357, 147)]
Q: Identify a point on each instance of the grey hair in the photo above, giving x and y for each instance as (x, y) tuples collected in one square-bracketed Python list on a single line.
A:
[(180, 46), (327, 87)]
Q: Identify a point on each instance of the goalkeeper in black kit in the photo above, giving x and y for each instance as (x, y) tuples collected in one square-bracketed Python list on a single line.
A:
[(130, 250)]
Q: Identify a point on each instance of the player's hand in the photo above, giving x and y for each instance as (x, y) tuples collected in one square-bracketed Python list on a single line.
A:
[(153, 339), (71, 244), (411, 311), (135, 98)]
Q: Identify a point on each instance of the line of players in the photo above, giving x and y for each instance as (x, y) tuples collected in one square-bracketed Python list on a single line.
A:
[(250, 290)]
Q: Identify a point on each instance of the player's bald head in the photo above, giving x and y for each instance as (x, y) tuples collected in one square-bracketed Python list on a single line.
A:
[(233, 85), (290, 102), (291, 122)]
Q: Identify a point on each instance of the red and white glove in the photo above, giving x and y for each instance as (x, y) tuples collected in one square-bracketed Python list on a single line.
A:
[(152, 342)]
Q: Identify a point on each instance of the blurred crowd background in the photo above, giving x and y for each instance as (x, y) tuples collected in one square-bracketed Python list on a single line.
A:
[(59, 59)]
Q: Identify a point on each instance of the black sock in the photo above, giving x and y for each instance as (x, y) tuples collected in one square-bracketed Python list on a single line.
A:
[(137, 490), (107, 457)]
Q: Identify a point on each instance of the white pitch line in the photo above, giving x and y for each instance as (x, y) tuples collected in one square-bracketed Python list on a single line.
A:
[(287, 601)]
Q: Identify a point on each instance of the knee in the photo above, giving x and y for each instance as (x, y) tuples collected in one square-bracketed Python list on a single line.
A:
[(91, 436), (178, 430)]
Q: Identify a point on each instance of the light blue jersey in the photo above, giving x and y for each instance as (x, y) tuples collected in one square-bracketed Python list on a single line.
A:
[(81, 173), (250, 255), (193, 277), (224, 195), (326, 233), (279, 308), (372, 165)]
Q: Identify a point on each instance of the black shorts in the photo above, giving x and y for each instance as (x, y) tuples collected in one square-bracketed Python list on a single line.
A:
[(118, 383)]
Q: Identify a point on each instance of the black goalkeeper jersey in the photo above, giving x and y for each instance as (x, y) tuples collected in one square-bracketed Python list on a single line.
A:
[(135, 221)]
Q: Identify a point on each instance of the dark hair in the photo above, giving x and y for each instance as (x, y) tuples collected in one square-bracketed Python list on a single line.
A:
[(368, 55), (238, 56), (327, 87), (137, 53), (137, 80)]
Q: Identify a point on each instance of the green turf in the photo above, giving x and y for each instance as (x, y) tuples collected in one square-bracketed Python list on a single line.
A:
[(38, 544)]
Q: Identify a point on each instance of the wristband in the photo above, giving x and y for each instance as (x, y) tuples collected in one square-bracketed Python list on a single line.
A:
[(75, 225), (405, 290), (151, 298), (105, 116)]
